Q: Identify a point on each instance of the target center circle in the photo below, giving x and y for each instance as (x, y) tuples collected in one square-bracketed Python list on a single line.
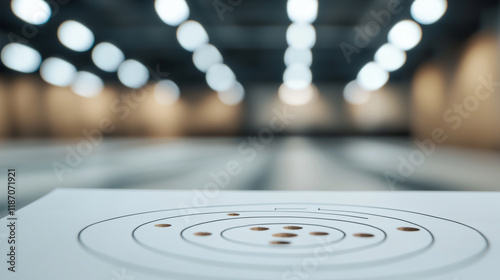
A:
[(297, 235)]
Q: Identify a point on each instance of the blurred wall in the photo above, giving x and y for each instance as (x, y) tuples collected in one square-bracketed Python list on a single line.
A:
[(5, 117), (30, 107), (462, 97), (385, 111)]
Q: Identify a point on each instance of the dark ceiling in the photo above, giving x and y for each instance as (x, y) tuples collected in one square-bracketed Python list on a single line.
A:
[(251, 37)]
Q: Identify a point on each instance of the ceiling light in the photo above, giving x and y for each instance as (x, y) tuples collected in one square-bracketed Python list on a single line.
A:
[(21, 58), (205, 56), (297, 76), (298, 56), (107, 57), (172, 12), (75, 36), (390, 58), (301, 35), (405, 35), (302, 10), (133, 74), (428, 11), (191, 35), (220, 77), (372, 77), (57, 72), (31, 11)]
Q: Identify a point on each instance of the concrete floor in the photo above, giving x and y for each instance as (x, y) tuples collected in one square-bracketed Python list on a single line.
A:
[(337, 164)]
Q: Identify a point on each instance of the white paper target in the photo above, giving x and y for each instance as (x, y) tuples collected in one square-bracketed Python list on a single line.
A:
[(174, 235), (265, 241)]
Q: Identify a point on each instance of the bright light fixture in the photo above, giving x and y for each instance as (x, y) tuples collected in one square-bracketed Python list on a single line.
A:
[(87, 84), (220, 77), (205, 56), (172, 12), (354, 94), (107, 57), (298, 56), (57, 71), (232, 96), (390, 58), (21, 58), (166, 92), (372, 77), (191, 35), (296, 97), (428, 11), (31, 11), (304, 11), (75, 36), (405, 35), (301, 35), (133, 74), (297, 76)]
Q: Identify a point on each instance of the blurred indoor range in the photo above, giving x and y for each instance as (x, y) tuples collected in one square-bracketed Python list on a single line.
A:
[(208, 95)]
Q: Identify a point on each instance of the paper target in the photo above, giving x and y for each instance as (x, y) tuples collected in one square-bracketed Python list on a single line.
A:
[(285, 241)]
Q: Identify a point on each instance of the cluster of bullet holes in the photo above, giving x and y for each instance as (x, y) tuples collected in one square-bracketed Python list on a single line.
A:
[(290, 234), (286, 234)]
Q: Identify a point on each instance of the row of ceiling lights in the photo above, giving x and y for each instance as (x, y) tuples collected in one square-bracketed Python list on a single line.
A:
[(106, 56), (79, 38), (297, 87), (391, 56), (192, 36)]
